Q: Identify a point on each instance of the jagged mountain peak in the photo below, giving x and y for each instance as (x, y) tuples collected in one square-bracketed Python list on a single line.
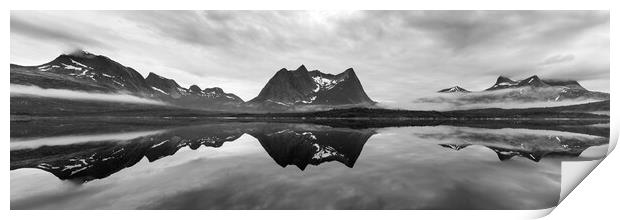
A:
[(502, 79), (154, 75), (534, 81), (302, 87), (532, 78), (302, 68), (347, 73), (504, 82), (454, 89)]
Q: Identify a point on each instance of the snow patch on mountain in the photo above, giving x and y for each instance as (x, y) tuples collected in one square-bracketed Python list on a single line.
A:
[(80, 64), (325, 83), (324, 152), (159, 90), (71, 67)]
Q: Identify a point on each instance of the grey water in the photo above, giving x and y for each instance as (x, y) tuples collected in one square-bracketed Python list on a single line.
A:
[(297, 166)]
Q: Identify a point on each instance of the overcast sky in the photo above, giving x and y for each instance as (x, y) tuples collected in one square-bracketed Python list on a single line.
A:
[(398, 55)]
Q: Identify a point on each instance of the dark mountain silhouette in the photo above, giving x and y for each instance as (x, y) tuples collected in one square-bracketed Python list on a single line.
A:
[(289, 88)]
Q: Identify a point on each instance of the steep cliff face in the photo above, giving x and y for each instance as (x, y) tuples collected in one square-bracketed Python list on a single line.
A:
[(302, 87)]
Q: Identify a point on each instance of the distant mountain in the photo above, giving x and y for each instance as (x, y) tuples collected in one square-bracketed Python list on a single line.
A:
[(532, 81), (454, 89), (84, 71), (531, 89), (504, 83), (290, 88), (546, 90)]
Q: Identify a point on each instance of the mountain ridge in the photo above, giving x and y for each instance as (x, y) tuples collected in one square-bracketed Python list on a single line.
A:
[(84, 71)]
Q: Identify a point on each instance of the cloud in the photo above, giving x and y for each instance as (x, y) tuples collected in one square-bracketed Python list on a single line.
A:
[(59, 34), (558, 59), (22, 90)]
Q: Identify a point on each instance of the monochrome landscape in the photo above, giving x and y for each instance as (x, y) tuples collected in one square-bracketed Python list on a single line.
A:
[(220, 110)]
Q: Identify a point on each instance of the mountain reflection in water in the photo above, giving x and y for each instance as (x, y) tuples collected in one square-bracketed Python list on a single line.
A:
[(301, 145), (508, 143), (287, 144)]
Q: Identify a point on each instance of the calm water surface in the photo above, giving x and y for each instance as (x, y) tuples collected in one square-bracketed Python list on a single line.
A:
[(297, 166)]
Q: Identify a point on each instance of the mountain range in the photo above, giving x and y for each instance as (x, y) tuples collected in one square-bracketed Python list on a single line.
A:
[(286, 90), (527, 90)]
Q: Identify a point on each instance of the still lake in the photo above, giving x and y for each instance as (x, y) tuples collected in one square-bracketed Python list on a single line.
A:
[(257, 165)]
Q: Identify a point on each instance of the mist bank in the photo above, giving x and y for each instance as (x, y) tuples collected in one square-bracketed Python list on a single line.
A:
[(35, 91)]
